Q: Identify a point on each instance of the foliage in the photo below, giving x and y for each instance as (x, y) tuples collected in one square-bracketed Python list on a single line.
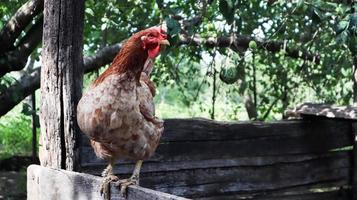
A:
[(5, 82), (185, 74), (15, 135)]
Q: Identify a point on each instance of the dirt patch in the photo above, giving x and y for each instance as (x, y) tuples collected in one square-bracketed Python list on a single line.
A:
[(13, 185), (13, 177)]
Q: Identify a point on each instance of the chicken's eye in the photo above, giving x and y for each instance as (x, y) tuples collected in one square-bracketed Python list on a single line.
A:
[(151, 35)]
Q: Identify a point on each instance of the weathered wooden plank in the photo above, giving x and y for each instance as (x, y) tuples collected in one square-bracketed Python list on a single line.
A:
[(203, 129), (248, 179), (199, 192), (126, 166), (245, 175), (310, 140), (340, 194), (46, 183), (207, 130), (324, 110)]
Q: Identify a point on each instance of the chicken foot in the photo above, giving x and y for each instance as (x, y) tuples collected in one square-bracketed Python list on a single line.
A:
[(108, 177), (133, 180)]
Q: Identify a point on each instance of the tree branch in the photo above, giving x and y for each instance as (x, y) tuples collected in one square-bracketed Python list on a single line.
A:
[(102, 57), (13, 95), (16, 60), (250, 107), (241, 43), (18, 23)]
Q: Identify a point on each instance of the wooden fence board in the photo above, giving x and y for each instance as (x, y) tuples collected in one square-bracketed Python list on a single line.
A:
[(331, 195), (205, 130), (300, 138), (125, 167), (244, 177), (202, 158)]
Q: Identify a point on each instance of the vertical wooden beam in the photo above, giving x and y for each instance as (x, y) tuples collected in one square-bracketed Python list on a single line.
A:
[(61, 82), (34, 131), (354, 164)]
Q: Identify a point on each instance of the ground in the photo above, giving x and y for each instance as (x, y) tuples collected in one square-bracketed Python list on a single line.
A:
[(13, 185), (13, 177)]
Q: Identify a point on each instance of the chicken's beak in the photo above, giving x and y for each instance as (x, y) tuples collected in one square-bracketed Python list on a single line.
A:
[(164, 42)]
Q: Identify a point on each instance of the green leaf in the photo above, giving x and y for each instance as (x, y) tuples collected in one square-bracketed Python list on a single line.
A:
[(342, 37), (103, 26), (353, 19), (160, 3), (354, 6), (227, 9), (26, 109), (89, 11), (342, 26), (352, 44), (300, 3), (317, 16), (173, 26)]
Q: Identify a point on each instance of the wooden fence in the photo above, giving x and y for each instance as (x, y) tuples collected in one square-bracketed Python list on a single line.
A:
[(203, 159)]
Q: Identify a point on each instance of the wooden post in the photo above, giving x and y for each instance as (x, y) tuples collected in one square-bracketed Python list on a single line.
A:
[(34, 132), (61, 82), (354, 162)]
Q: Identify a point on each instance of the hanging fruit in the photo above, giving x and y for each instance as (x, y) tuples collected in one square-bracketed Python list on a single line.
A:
[(229, 74)]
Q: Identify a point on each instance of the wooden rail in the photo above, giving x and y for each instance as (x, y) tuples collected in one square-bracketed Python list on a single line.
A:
[(45, 183)]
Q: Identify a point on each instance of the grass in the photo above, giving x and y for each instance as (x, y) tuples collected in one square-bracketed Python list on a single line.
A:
[(15, 135)]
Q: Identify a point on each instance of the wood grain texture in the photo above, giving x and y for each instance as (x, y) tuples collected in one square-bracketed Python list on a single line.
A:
[(186, 139), (45, 183), (61, 80), (200, 158), (324, 110), (342, 194)]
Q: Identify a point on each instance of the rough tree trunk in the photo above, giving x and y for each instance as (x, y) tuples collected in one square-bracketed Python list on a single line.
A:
[(61, 82), (250, 107)]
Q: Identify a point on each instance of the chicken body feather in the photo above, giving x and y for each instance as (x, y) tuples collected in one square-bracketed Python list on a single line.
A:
[(111, 117)]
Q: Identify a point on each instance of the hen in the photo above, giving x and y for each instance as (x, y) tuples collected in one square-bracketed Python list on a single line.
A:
[(117, 112)]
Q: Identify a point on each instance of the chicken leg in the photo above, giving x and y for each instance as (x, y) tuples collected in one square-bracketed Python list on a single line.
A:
[(133, 180), (108, 177)]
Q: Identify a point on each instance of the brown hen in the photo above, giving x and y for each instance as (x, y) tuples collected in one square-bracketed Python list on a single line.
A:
[(117, 112)]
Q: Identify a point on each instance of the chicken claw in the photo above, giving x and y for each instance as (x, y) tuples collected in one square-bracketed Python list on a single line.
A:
[(133, 180), (105, 186), (125, 183)]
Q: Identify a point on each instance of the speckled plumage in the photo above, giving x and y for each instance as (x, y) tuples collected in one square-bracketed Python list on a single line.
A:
[(117, 112), (110, 115)]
